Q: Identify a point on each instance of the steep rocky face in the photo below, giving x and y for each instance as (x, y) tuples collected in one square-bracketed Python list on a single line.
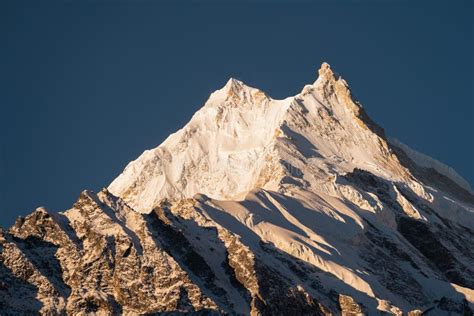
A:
[(257, 206), (102, 257)]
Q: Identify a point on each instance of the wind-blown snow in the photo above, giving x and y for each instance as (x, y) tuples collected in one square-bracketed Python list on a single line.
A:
[(426, 161)]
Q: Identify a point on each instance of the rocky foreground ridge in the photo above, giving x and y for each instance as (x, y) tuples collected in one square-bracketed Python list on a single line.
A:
[(257, 206)]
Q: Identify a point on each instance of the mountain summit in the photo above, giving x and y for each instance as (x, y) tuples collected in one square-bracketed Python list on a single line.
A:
[(300, 206), (242, 140)]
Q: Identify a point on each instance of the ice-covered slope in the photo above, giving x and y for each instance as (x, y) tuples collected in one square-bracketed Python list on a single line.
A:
[(316, 150), (309, 146), (242, 139), (257, 206), (223, 152)]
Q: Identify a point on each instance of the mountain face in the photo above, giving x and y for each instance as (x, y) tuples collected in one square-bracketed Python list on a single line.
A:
[(257, 206)]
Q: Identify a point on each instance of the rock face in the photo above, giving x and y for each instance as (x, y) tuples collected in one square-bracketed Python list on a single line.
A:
[(257, 206)]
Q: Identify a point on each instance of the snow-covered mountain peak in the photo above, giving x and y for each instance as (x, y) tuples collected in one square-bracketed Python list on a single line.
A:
[(236, 93), (257, 206), (326, 72), (330, 80), (221, 152), (242, 140), (234, 85)]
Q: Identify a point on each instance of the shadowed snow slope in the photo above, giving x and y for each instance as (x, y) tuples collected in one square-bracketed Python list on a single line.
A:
[(257, 206)]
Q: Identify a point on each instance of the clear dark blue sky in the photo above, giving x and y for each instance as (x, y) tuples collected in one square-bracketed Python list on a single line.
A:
[(86, 86)]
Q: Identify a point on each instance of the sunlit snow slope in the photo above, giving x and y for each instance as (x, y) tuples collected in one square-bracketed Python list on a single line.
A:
[(242, 140), (257, 206), (226, 150), (309, 174)]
